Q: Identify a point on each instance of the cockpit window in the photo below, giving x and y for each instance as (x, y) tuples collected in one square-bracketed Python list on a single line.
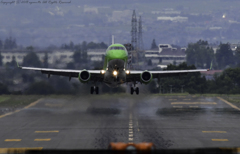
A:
[(116, 48)]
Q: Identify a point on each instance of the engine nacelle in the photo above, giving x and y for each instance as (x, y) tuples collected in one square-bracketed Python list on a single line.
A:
[(84, 76), (146, 77)]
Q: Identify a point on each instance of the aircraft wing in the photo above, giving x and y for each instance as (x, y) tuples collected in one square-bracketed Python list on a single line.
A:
[(135, 75), (95, 74)]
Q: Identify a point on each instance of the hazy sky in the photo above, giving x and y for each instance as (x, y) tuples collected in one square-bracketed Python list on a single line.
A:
[(56, 22)]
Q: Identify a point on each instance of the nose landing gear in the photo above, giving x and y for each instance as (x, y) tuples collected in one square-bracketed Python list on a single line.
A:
[(94, 89)]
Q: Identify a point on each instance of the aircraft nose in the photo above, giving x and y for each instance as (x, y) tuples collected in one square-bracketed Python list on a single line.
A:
[(117, 54)]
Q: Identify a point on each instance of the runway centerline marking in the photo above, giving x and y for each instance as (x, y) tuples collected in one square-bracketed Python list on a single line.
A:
[(13, 140), (130, 129), (189, 103), (230, 104), (50, 131), (30, 105), (214, 131), (43, 139), (236, 150), (187, 99), (18, 150), (222, 140)]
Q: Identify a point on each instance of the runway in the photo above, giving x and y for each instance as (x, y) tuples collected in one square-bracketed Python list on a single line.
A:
[(92, 122)]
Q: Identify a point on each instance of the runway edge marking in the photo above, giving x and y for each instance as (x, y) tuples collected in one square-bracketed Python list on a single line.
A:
[(221, 140), (18, 150), (48, 131), (13, 140), (230, 104), (26, 107), (214, 131)]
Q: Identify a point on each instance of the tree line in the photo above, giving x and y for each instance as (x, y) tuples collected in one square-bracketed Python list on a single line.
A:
[(84, 46), (228, 82), (201, 54), (8, 43)]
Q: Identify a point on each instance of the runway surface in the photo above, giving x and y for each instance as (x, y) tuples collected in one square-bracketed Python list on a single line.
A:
[(92, 122)]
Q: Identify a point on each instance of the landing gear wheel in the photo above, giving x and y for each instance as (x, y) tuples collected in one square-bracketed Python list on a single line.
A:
[(137, 90), (132, 90), (96, 89), (92, 90)]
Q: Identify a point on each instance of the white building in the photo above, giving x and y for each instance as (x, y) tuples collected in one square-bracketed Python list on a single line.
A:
[(60, 55), (173, 19), (166, 54), (64, 56), (96, 54)]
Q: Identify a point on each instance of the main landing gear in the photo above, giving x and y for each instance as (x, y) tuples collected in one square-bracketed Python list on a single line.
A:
[(134, 89), (94, 89)]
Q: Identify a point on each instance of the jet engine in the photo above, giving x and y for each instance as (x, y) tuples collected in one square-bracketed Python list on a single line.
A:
[(84, 76), (146, 77)]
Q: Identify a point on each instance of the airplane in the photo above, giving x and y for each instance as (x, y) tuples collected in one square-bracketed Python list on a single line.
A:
[(114, 72)]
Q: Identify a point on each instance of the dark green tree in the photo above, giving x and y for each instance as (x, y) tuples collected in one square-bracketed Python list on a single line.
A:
[(224, 56), (80, 56), (92, 45), (237, 56), (226, 83), (84, 45), (1, 44), (154, 45), (40, 88), (30, 48), (103, 45), (14, 44), (7, 44), (199, 54), (193, 82), (3, 89), (31, 59), (71, 45), (10, 43), (13, 63)]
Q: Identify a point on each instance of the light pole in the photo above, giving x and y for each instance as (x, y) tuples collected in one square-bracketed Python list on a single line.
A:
[(182, 88), (171, 88)]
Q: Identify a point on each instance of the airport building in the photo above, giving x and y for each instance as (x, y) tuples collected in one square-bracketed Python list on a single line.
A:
[(96, 54), (64, 56), (165, 54), (54, 56)]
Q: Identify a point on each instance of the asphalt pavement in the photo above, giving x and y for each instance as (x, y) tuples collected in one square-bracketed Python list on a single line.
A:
[(93, 121)]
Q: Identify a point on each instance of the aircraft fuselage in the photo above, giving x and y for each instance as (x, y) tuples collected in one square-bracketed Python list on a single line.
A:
[(115, 65)]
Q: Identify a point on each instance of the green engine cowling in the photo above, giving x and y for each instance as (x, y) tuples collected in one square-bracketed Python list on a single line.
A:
[(146, 77), (84, 76)]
